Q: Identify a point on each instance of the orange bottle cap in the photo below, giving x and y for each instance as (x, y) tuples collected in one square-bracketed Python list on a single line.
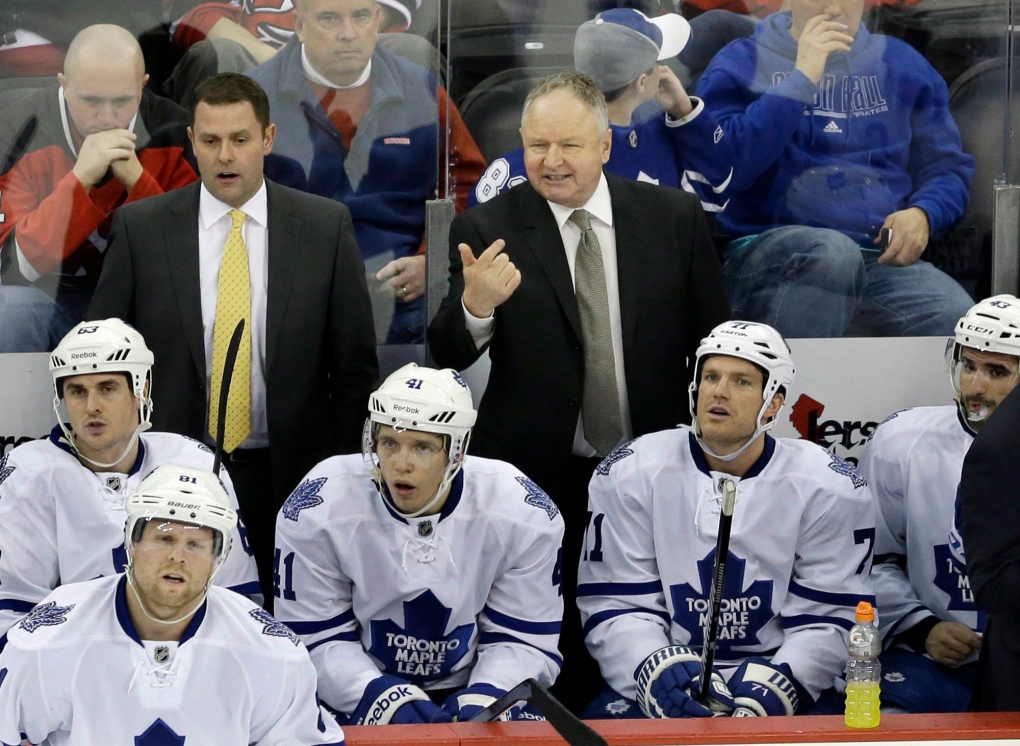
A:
[(865, 612)]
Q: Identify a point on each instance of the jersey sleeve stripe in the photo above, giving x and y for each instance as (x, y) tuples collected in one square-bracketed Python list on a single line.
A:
[(521, 625), (619, 589), (824, 597), (310, 628), (247, 589), (16, 604), (351, 636), (604, 616), (495, 638), (811, 620), (911, 615)]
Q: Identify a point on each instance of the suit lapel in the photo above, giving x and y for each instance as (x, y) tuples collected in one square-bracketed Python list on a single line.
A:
[(543, 239), (630, 251), (284, 256), (183, 260)]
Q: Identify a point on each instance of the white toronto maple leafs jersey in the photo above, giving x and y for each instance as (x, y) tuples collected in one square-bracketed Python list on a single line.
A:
[(75, 673), (913, 464), (469, 595), (63, 523), (802, 534)]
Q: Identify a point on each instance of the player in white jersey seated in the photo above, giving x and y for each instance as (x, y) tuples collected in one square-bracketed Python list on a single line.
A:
[(157, 655), (930, 625), (62, 498), (799, 558), (425, 584)]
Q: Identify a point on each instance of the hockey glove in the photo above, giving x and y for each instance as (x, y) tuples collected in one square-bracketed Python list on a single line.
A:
[(468, 702), (668, 678), (389, 699), (762, 688)]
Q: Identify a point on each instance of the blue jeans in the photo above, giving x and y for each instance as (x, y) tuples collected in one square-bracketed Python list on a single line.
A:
[(32, 320), (812, 282)]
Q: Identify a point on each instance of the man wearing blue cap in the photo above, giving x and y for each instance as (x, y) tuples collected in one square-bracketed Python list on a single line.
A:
[(620, 50)]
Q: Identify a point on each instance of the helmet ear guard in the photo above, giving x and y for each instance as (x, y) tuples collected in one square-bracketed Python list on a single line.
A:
[(758, 344), (427, 400)]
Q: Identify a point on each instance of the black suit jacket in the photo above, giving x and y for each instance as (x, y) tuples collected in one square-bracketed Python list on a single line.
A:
[(990, 503), (672, 293), (320, 341)]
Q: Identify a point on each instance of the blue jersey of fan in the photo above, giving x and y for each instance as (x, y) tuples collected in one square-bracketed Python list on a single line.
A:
[(685, 153), (469, 595), (799, 558)]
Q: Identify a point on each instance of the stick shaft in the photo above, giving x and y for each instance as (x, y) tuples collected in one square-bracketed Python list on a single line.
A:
[(722, 549), (221, 408)]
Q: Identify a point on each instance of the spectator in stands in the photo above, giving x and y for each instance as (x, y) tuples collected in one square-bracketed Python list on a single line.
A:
[(620, 50), (838, 137), (225, 37), (930, 624), (73, 153), (590, 293), (366, 127)]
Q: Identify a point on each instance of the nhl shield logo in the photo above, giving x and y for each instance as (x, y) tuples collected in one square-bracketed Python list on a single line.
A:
[(113, 483), (425, 528), (633, 138), (162, 654)]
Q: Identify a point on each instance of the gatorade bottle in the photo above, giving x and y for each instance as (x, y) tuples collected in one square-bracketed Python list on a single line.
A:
[(863, 671)]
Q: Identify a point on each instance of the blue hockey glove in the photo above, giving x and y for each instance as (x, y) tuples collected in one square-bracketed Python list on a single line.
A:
[(762, 688), (667, 680), (389, 699)]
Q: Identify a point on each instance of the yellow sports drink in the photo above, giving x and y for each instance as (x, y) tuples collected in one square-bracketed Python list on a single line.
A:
[(863, 671)]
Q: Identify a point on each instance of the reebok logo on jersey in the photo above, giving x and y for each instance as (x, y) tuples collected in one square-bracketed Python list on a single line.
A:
[(832, 128)]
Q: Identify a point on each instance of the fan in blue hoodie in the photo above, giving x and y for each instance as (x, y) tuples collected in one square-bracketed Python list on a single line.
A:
[(836, 135)]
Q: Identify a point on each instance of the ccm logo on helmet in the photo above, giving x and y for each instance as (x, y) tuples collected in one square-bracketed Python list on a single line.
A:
[(84, 355), (968, 327), (405, 408)]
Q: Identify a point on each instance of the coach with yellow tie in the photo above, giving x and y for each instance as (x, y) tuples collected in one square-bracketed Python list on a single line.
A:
[(184, 267)]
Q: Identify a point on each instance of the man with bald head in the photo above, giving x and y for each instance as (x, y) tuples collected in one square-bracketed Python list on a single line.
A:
[(71, 153)]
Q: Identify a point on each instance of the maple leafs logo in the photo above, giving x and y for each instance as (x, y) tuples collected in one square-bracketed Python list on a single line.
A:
[(304, 496), (159, 734), (537, 497), (951, 579), (745, 611), (847, 469), (271, 626), (421, 650), (5, 470), (45, 615), (618, 455)]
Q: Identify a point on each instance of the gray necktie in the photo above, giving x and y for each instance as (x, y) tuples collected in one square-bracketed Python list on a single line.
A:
[(601, 407)]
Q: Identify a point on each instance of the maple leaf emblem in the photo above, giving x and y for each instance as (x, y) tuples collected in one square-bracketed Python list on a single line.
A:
[(304, 496), (271, 626), (745, 611), (159, 734), (421, 650), (847, 469), (537, 497), (45, 615), (5, 470), (619, 454)]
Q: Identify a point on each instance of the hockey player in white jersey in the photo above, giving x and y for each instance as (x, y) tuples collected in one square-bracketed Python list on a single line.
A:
[(929, 622), (157, 655), (803, 529), (424, 583), (62, 499)]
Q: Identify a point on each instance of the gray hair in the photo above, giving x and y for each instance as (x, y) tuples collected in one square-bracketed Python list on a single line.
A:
[(581, 86)]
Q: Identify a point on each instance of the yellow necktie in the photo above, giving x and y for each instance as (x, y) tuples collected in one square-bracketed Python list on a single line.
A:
[(233, 303)]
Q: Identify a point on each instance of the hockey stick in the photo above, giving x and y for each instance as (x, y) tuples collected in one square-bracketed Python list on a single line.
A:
[(221, 408), (574, 732), (722, 549)]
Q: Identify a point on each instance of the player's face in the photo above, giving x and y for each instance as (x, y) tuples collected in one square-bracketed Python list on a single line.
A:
[(231, 147), (985, 379), (847, 12), (339, 36), (729, 399), (563, 148), (102, 94), (412, 464), (172, 563), (103, 412)]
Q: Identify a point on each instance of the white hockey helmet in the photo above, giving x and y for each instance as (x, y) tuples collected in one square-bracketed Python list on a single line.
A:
[(108, 346), (428, 400), (759, 344), (991, 325), (184, 495)]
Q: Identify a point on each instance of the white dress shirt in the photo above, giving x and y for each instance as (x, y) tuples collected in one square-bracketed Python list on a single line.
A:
[(600, 208), (214, 225)]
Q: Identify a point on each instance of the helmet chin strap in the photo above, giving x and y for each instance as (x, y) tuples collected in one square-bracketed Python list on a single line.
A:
[(380, 486), (142, 427), (758, 431)]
